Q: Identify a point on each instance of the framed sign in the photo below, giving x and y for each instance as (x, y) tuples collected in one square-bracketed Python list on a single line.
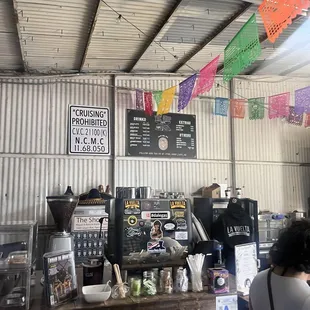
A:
[(168, 135), (89, 130), (246, 266)]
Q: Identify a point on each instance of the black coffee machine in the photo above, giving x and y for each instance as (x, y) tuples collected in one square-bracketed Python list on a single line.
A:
[(207, 210)]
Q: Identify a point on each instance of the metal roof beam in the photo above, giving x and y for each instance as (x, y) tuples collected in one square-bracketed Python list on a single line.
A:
[(90, 33), (152, 38), (22, 52), (209, 38), (295, 68)]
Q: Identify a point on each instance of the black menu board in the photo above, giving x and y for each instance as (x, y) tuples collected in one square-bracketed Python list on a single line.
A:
[(168, 135)]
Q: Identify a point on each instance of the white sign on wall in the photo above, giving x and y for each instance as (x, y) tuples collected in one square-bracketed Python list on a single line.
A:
[(89, 223), (89, 130)]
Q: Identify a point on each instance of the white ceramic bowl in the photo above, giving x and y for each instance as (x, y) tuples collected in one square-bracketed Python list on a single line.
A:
[(96, 293)]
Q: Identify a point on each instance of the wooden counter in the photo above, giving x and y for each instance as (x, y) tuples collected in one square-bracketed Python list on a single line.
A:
[(182, 301), (202, 301)]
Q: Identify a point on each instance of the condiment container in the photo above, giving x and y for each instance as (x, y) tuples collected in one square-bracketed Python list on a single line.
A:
[(149, 284)]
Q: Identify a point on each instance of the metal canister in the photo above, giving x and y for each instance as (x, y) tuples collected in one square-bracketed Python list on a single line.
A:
[(228, 193), (126, 192), (145, 192), (238, 192), (92, 272)]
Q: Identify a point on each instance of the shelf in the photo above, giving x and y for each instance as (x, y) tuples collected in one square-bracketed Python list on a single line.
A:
[(13, 268)]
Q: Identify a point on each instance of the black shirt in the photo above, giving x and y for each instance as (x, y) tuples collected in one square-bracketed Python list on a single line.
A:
[(232, 228)]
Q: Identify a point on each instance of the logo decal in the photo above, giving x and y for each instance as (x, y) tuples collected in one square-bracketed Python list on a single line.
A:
[(177, 204), (132, 207), (181, 224), (156, 247), (132, 220), (161, 215), (156, 231), (133, 232)]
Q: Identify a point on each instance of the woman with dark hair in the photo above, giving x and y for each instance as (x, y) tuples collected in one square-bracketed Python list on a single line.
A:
[(284, 286)]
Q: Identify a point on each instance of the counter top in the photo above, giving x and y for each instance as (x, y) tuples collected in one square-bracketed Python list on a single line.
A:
[(182, 301), (190, 300)]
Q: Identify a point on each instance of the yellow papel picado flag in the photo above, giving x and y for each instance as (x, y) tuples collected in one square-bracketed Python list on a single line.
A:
[(166, 101)]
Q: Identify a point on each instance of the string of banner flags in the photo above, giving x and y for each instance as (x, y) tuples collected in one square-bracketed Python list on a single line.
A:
[(240, 53)]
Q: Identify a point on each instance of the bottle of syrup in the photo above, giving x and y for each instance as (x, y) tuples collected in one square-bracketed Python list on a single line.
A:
[(69, 191)]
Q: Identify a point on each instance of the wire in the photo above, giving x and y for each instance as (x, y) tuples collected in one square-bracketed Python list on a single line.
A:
[(121, 16), (119, 88)]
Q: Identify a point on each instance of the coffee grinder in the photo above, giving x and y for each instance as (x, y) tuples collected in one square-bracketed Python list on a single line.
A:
[(62, 208)]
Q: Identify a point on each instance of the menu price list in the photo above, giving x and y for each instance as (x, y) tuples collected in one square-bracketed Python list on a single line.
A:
[(169, 135)]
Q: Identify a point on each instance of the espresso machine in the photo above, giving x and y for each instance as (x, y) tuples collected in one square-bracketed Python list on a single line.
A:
[(62, 208), (148, 233)]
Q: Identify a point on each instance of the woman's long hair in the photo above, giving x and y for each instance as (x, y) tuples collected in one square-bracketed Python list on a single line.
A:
[(292, 250)]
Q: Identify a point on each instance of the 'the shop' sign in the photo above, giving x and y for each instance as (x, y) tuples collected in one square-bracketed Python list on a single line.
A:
[(89, 130)]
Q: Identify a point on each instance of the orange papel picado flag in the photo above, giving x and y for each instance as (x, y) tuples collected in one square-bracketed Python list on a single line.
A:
[(166, 101)]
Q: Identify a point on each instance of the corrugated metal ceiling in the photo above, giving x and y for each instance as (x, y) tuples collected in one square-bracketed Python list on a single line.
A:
[(116, 39), (151, 36), (54, 34), (10, 55)]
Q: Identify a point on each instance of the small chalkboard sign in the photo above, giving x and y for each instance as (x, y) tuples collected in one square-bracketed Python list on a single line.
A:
[(168, 135)]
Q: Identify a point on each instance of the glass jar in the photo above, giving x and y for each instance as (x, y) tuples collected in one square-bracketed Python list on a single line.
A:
[(135, 287), (149, 284), (166, 282)]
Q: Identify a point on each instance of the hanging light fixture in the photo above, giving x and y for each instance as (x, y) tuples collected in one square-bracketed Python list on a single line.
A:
[(118, 19)]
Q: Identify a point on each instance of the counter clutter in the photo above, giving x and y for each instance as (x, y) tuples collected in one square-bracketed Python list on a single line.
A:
[(60, 281), (190, 300), (137, 248)]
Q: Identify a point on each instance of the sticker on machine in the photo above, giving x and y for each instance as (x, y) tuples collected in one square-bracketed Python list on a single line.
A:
[(179, 214), (132, 207), (156, 247), (132, 220), (88, 223), (177, 204), (155, 215), (181, 224), (133, 232), (181, 235), (156, 232)]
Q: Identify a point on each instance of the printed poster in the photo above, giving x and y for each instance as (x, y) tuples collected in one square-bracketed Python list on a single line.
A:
[(246, 266), (228, 302)]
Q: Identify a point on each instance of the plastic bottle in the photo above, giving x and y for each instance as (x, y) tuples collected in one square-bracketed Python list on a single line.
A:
[(108, 190), (219, 249)]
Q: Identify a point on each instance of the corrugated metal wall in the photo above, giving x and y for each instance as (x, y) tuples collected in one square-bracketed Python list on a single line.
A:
[(213, 143), (269, 152), (33, 143)]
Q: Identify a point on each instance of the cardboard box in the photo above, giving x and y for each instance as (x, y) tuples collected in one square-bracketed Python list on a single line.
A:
[(213, 191), (218, 280)]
